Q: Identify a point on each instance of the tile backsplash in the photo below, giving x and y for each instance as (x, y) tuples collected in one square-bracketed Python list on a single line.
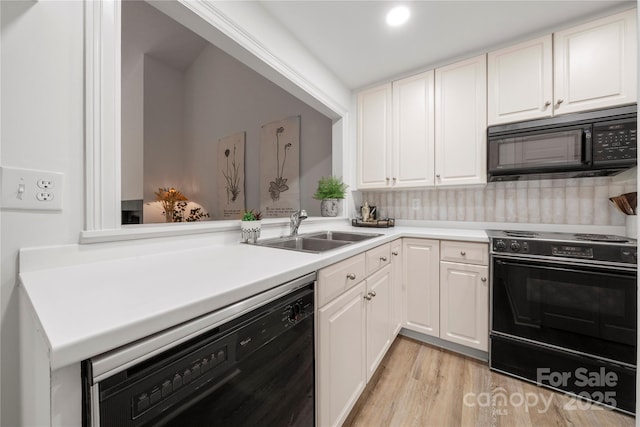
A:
[(558, 201)]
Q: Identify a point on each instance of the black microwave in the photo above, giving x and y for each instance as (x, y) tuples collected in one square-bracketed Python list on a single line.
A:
[(594, 143)]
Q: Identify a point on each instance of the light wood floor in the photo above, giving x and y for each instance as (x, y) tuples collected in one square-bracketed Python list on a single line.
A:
[(420, 385)]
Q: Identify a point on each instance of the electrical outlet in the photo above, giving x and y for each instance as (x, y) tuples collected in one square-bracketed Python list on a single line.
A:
[(415, 204), (30, 189), (45, 183)]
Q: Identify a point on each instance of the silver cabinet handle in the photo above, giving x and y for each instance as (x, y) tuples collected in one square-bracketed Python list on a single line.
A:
[(483, 279), (351, 276), (383, 258), (545, 106), (394, 179), (367, 297), (394, 253), (559, 101), (463, 253), (372, 294), (437, 175)]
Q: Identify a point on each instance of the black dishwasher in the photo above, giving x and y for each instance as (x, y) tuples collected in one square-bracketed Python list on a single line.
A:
[(255, 369)]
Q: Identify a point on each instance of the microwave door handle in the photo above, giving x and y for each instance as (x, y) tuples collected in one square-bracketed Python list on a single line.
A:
[(587, 146)]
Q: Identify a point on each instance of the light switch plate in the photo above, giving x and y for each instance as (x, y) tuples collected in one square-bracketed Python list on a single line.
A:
[(30, 189)]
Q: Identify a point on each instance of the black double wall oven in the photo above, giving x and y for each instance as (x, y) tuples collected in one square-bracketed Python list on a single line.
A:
[(564, 313)]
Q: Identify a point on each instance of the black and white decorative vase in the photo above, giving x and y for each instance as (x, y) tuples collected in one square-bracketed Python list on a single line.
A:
[(250, 231), (329, 207)]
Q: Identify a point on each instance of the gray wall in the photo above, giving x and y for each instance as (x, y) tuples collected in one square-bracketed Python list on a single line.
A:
[(164, 152), (190, 102), (224, 97)]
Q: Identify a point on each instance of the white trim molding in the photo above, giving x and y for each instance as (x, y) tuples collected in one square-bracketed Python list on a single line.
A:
[(103, 96), (102, 115)]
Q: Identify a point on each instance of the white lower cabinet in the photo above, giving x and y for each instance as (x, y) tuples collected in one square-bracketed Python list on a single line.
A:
[(354, 331), (421, 261), (396, 287), (342, 355), (464, 304), (428, 286), (378, 313), (447, 292)]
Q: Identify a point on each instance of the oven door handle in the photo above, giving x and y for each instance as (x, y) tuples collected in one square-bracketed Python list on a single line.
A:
[(562, 266), (539, 260)]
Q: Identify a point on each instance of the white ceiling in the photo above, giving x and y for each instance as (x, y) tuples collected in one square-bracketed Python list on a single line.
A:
[(352, 39)]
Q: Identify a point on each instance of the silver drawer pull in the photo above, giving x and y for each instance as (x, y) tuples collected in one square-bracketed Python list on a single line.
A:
[(463, 253), (367, 297), (394, 253), (383, 258), (483, 279), (351, 276), (372, 294)]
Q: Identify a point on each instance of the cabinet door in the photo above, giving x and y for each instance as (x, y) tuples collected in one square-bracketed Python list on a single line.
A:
[(461, 122), (421, 260), (595, 64), (378, 318), (374, 136), (413, 131), (519, 80), (341, 355), (464, 304), (396, 287)]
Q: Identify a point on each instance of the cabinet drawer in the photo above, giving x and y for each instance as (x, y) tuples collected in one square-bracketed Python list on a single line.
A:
[(378, 258), (465, 252), (337, 278)]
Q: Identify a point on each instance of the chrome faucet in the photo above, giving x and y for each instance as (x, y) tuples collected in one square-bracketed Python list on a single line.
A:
[(296, 218)]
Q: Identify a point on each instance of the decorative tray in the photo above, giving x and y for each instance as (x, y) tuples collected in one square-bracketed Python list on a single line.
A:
[(378, 223)]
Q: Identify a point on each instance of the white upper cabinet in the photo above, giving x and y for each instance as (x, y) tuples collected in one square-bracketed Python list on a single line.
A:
[(520, 82), (582, 68), (395, 134), (413, 133), (461, 122), (374, 134), (595, 64)]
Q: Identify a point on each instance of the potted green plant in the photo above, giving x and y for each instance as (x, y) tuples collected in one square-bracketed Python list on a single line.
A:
[(250, 225), (330, 191)]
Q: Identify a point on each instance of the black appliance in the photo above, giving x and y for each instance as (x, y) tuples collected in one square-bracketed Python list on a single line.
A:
[(250, 366), (594, 143), (564, 312), (131, 211)]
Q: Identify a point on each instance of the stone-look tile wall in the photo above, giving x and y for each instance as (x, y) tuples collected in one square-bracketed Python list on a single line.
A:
[(559, 201)]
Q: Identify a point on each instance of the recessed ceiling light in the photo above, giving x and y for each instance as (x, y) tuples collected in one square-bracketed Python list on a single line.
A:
[(398, 16)]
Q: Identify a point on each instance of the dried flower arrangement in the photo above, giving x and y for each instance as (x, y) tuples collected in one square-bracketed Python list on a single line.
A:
[(174, 204)]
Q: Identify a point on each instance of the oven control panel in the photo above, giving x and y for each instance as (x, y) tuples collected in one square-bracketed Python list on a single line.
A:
[(572, 251), (511, 245)]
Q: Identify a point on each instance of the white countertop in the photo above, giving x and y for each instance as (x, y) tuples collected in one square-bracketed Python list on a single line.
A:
[(89, 308)]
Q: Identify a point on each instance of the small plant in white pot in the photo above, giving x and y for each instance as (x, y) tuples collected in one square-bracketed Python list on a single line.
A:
[(250, 225), (330, 190)]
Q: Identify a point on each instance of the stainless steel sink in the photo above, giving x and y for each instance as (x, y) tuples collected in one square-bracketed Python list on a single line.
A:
[(316, 242), (346, 236)]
